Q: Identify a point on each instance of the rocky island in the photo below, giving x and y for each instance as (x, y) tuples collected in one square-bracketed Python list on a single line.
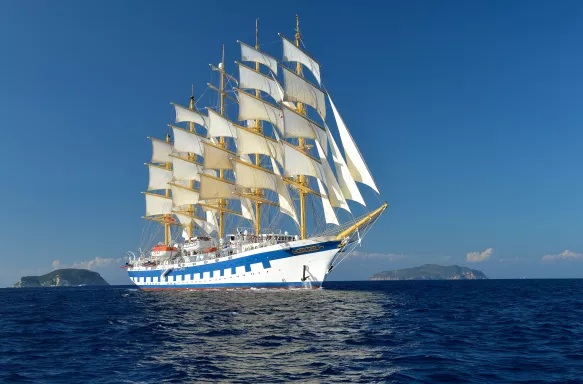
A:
[(62, 278), (431, 272)]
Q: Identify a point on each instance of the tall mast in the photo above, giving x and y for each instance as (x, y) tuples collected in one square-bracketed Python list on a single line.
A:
[(191, 156), (258, 129), (223, 144), (301, 178), (167, 218)]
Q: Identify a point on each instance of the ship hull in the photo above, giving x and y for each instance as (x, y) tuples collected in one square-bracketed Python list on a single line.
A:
[(298, 264)]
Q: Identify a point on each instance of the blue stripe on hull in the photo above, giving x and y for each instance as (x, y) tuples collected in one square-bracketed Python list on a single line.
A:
[(213, 266), (282, 285)]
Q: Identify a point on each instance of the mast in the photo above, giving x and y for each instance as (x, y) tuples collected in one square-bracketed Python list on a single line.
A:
[(191, 156), (222, 143), (258, 129), (167, 217), (301, 110)]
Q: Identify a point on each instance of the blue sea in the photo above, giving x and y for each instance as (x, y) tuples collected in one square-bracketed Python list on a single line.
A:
[(489, 331)]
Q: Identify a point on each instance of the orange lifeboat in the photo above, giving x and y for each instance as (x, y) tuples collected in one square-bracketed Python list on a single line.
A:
[(210, 249)]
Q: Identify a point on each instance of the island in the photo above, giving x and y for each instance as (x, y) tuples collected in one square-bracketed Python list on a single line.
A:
[(431, 272), (69, 277)]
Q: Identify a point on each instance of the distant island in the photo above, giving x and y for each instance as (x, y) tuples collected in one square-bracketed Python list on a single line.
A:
[(431, 272), (62, 278)]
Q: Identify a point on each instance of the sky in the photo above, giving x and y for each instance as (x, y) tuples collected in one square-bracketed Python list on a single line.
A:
[(469, 115)]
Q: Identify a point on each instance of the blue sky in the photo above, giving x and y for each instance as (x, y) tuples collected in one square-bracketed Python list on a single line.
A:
[(468, 113)]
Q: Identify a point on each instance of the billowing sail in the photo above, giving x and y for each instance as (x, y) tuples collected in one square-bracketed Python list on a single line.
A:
[(159, 177), (297, 163), (250, 79), (161, 151), (251, 142), (216, 157), (345, 180), (356, 164), (187, 220), (185, 169), (250, 176), (251, 54), (212, 188), (297, 125), (220, 125), (185, 114), (297, 88), (247, 209), (185, 141), (295, 54), (157, 204), (252, 108), (334, 192), (183, 196), (329, 213), (286, 205)]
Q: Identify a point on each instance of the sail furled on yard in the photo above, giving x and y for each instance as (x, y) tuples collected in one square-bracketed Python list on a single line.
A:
[(253, 108), (161, 151), (157, 204), (249, 53), (185, 141), (296, 88), (356, 165), (159, 177), (184, 114), (295, 54), (251, 79)]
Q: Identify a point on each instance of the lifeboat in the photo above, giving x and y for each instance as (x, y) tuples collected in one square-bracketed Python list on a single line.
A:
[(163, 252), (210, 249)]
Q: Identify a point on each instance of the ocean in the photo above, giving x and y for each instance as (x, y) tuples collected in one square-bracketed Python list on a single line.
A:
[(481, 331)]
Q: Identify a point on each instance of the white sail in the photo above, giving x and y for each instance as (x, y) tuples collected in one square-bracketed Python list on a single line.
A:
[(250, 79), (157, 204), (185, 114), (183, 196), (212, 188), (185, 141), (298, 89), (185, 169), (286, 205), (251, 54), (252, 108), (334, 191), (221, 126), (159, 177), (248, 176), (329, 213), (161, 151), (251, 142), (297, 163), (356, 164), (212, 219), (295, 54), (216, 157), (247, 209), (186, 220), (348, 187), (297, 125)]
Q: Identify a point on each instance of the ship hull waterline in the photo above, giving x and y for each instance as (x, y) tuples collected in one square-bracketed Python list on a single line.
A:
[(301, 264)]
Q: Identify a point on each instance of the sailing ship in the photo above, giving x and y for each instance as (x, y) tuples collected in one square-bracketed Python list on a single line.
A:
[(245, 174)]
